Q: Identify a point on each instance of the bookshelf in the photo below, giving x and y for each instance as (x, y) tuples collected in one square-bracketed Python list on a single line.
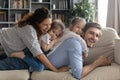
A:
[(12, 11), (60, 9), (40, 3)]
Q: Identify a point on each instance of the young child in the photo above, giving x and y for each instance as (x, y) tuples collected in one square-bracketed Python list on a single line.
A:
[(47, 42), (76, 25)]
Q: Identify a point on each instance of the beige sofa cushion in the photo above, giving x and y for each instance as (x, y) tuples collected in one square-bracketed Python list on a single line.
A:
[(104, 73), (105, 45), (101, 73), (14, 75), (49, 75), (117, 51)]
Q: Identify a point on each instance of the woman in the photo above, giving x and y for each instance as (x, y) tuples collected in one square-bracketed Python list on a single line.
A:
[(46, 41), (25, 35)]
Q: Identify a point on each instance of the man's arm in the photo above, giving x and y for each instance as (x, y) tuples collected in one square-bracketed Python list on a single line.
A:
[(76, 60)]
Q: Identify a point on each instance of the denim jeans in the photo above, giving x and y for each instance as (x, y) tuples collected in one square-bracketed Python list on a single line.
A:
[(11, 63), (33, 63), (29, 62), (3, 56)]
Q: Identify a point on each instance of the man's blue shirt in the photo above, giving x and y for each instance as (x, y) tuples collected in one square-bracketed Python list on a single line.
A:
[(69, 53)]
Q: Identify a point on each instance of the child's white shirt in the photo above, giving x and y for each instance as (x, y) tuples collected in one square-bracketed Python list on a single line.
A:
[(46, 38)]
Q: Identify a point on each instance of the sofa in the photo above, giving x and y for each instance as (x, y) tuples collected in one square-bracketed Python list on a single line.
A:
[(107, 45)]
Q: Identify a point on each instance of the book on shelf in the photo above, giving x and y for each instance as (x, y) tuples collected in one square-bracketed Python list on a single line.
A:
[(16, 17), (60, 4), (59, 16), (19, 4), (3, 16), (63, 4), (3, 4), (26, 4)]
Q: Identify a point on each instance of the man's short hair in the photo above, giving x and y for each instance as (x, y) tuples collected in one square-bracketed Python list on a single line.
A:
[(90, 25)]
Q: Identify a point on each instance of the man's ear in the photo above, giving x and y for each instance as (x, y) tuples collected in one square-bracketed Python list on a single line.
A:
[(100, 34)]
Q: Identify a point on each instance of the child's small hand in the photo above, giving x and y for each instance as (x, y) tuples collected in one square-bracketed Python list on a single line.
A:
[(20, 55), (85, 55)]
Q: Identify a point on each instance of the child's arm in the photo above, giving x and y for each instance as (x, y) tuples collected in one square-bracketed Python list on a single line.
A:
[(49, 46)]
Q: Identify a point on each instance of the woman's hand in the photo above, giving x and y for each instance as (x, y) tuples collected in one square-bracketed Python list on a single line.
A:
[(20, 54), (63, 69)]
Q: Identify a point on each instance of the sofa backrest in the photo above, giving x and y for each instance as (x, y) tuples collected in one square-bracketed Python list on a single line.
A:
[(104, 46)]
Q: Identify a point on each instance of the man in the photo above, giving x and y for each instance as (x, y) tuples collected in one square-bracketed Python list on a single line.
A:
[(69, 52)]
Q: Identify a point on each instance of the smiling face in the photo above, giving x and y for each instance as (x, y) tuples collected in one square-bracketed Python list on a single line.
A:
[(91, 36), (45, 25), (55, 33), (57, 29), (77, 28), (77, 24)]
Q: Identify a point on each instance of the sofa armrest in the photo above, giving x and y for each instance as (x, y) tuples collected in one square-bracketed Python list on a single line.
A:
[(117, 51)]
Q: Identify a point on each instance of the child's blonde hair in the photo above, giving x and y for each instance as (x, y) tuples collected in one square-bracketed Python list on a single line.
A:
[(75, 20)]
